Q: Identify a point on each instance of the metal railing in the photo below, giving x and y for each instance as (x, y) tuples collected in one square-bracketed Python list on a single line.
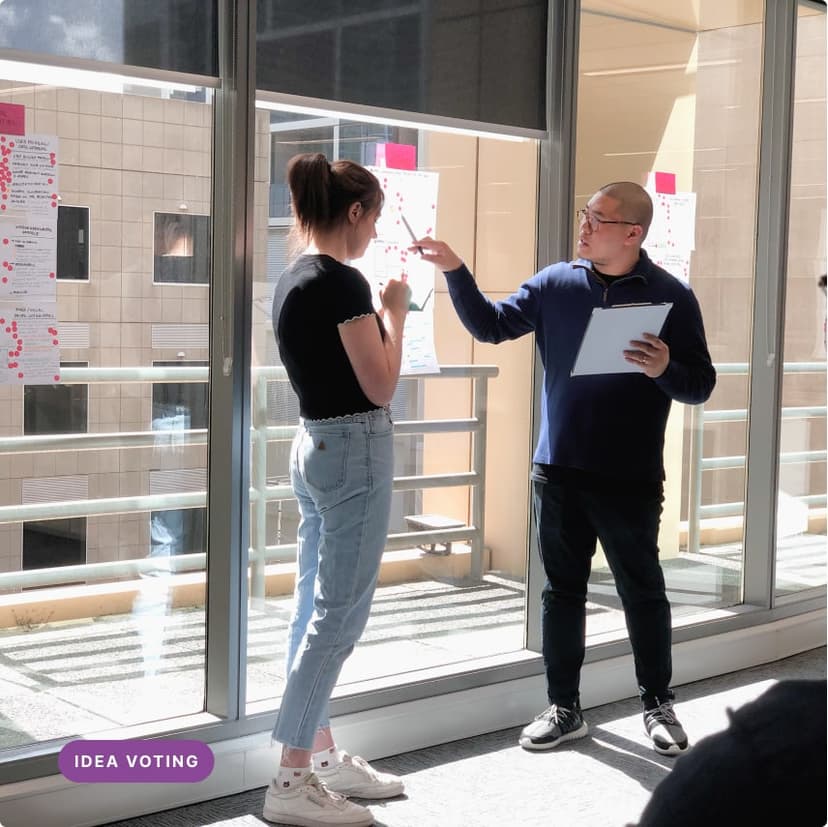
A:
[(261, 493), (699, 463)]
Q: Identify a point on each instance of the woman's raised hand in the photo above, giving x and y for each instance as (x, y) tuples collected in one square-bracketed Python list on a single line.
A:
[(395, 295)]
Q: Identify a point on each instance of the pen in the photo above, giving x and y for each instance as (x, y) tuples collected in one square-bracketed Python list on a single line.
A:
[(411, 233)]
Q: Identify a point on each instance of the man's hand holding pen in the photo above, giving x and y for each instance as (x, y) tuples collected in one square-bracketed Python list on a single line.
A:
[(438, 253)]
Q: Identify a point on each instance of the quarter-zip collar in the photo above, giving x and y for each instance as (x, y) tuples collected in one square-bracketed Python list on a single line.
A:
[(638, 273)]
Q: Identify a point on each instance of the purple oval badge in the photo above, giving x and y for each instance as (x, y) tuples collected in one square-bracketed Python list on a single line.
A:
[(138, 761)]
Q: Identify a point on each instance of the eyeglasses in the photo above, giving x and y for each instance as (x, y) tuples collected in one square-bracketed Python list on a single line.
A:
[(595, 222)]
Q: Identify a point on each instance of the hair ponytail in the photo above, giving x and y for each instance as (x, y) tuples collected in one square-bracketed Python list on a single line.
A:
[(309, 179)]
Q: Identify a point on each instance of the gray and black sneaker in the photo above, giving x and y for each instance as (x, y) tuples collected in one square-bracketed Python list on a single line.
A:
[(664, 729), (553, 726)]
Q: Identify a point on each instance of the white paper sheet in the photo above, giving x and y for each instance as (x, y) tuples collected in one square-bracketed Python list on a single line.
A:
[(410, 197), (29, 343), (609, 333)]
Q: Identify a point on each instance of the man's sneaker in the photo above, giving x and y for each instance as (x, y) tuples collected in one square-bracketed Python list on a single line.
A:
[(312, 804), (355, 776), (664, 729), (554, 726)]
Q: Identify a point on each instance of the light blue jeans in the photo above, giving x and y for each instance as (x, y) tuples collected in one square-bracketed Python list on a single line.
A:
[(341, 471)]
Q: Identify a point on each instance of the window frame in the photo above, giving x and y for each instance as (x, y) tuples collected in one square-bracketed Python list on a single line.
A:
[(70, 363), (88, 278), (155, 255)]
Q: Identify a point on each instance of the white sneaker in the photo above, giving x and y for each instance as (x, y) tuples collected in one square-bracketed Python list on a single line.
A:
[(355, 776), (312, 804)]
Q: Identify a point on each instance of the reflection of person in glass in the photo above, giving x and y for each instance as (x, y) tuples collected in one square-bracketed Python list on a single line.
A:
[(175, 236), (154, 598), (598, 466), (343, 360)]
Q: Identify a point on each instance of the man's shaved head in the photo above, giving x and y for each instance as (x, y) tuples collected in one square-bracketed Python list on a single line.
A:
[(635, 202)]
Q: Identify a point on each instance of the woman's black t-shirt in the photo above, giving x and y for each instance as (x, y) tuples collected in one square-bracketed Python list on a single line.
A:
[(314, 295)]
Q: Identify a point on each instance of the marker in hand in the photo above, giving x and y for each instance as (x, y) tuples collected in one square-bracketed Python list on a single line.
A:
[(411, 233)]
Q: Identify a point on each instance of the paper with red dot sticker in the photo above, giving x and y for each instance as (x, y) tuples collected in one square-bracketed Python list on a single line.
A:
[(411, 194), (28, 259), (672, 235), (29, 344), (29, 339), (27, 164)]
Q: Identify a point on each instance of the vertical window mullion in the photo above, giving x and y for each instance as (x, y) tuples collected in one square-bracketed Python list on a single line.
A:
[(779, 50), (555, 207), (228, 457)]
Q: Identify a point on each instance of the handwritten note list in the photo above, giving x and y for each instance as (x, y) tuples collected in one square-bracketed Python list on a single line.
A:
[(29, 341)]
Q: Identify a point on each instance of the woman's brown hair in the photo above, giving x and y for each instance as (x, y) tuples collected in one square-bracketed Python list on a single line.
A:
[(321, 193)]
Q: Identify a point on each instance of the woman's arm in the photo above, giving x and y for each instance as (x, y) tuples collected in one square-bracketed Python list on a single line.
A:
[(376, 360)]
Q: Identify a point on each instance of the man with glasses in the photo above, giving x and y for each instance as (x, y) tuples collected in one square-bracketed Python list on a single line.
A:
[(598, 466)]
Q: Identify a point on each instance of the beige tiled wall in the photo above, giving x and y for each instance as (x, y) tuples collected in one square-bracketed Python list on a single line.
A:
[(124, 157)]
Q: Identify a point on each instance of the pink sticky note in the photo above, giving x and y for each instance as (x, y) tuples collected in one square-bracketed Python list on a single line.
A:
[(397, 156), (12, 119), (665, 182)]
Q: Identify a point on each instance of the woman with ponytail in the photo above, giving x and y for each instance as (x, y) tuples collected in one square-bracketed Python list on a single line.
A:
[(343, 361)]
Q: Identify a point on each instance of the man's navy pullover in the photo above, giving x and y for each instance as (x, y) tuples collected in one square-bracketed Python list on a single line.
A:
[(609, 424)]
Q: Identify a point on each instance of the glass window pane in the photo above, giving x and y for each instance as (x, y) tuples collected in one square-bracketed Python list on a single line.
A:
[(445, 604), (50, 543), (435, 58), (132, 439), (182, 248), (683, 94), (800, 529), (56, 409), (179, 35), (73, 243)]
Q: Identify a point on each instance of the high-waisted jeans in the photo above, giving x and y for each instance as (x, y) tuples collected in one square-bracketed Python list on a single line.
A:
[(570, 517), (341, 471)]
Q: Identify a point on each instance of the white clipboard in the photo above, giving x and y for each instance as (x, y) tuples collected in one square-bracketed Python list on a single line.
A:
[(609, 333)]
